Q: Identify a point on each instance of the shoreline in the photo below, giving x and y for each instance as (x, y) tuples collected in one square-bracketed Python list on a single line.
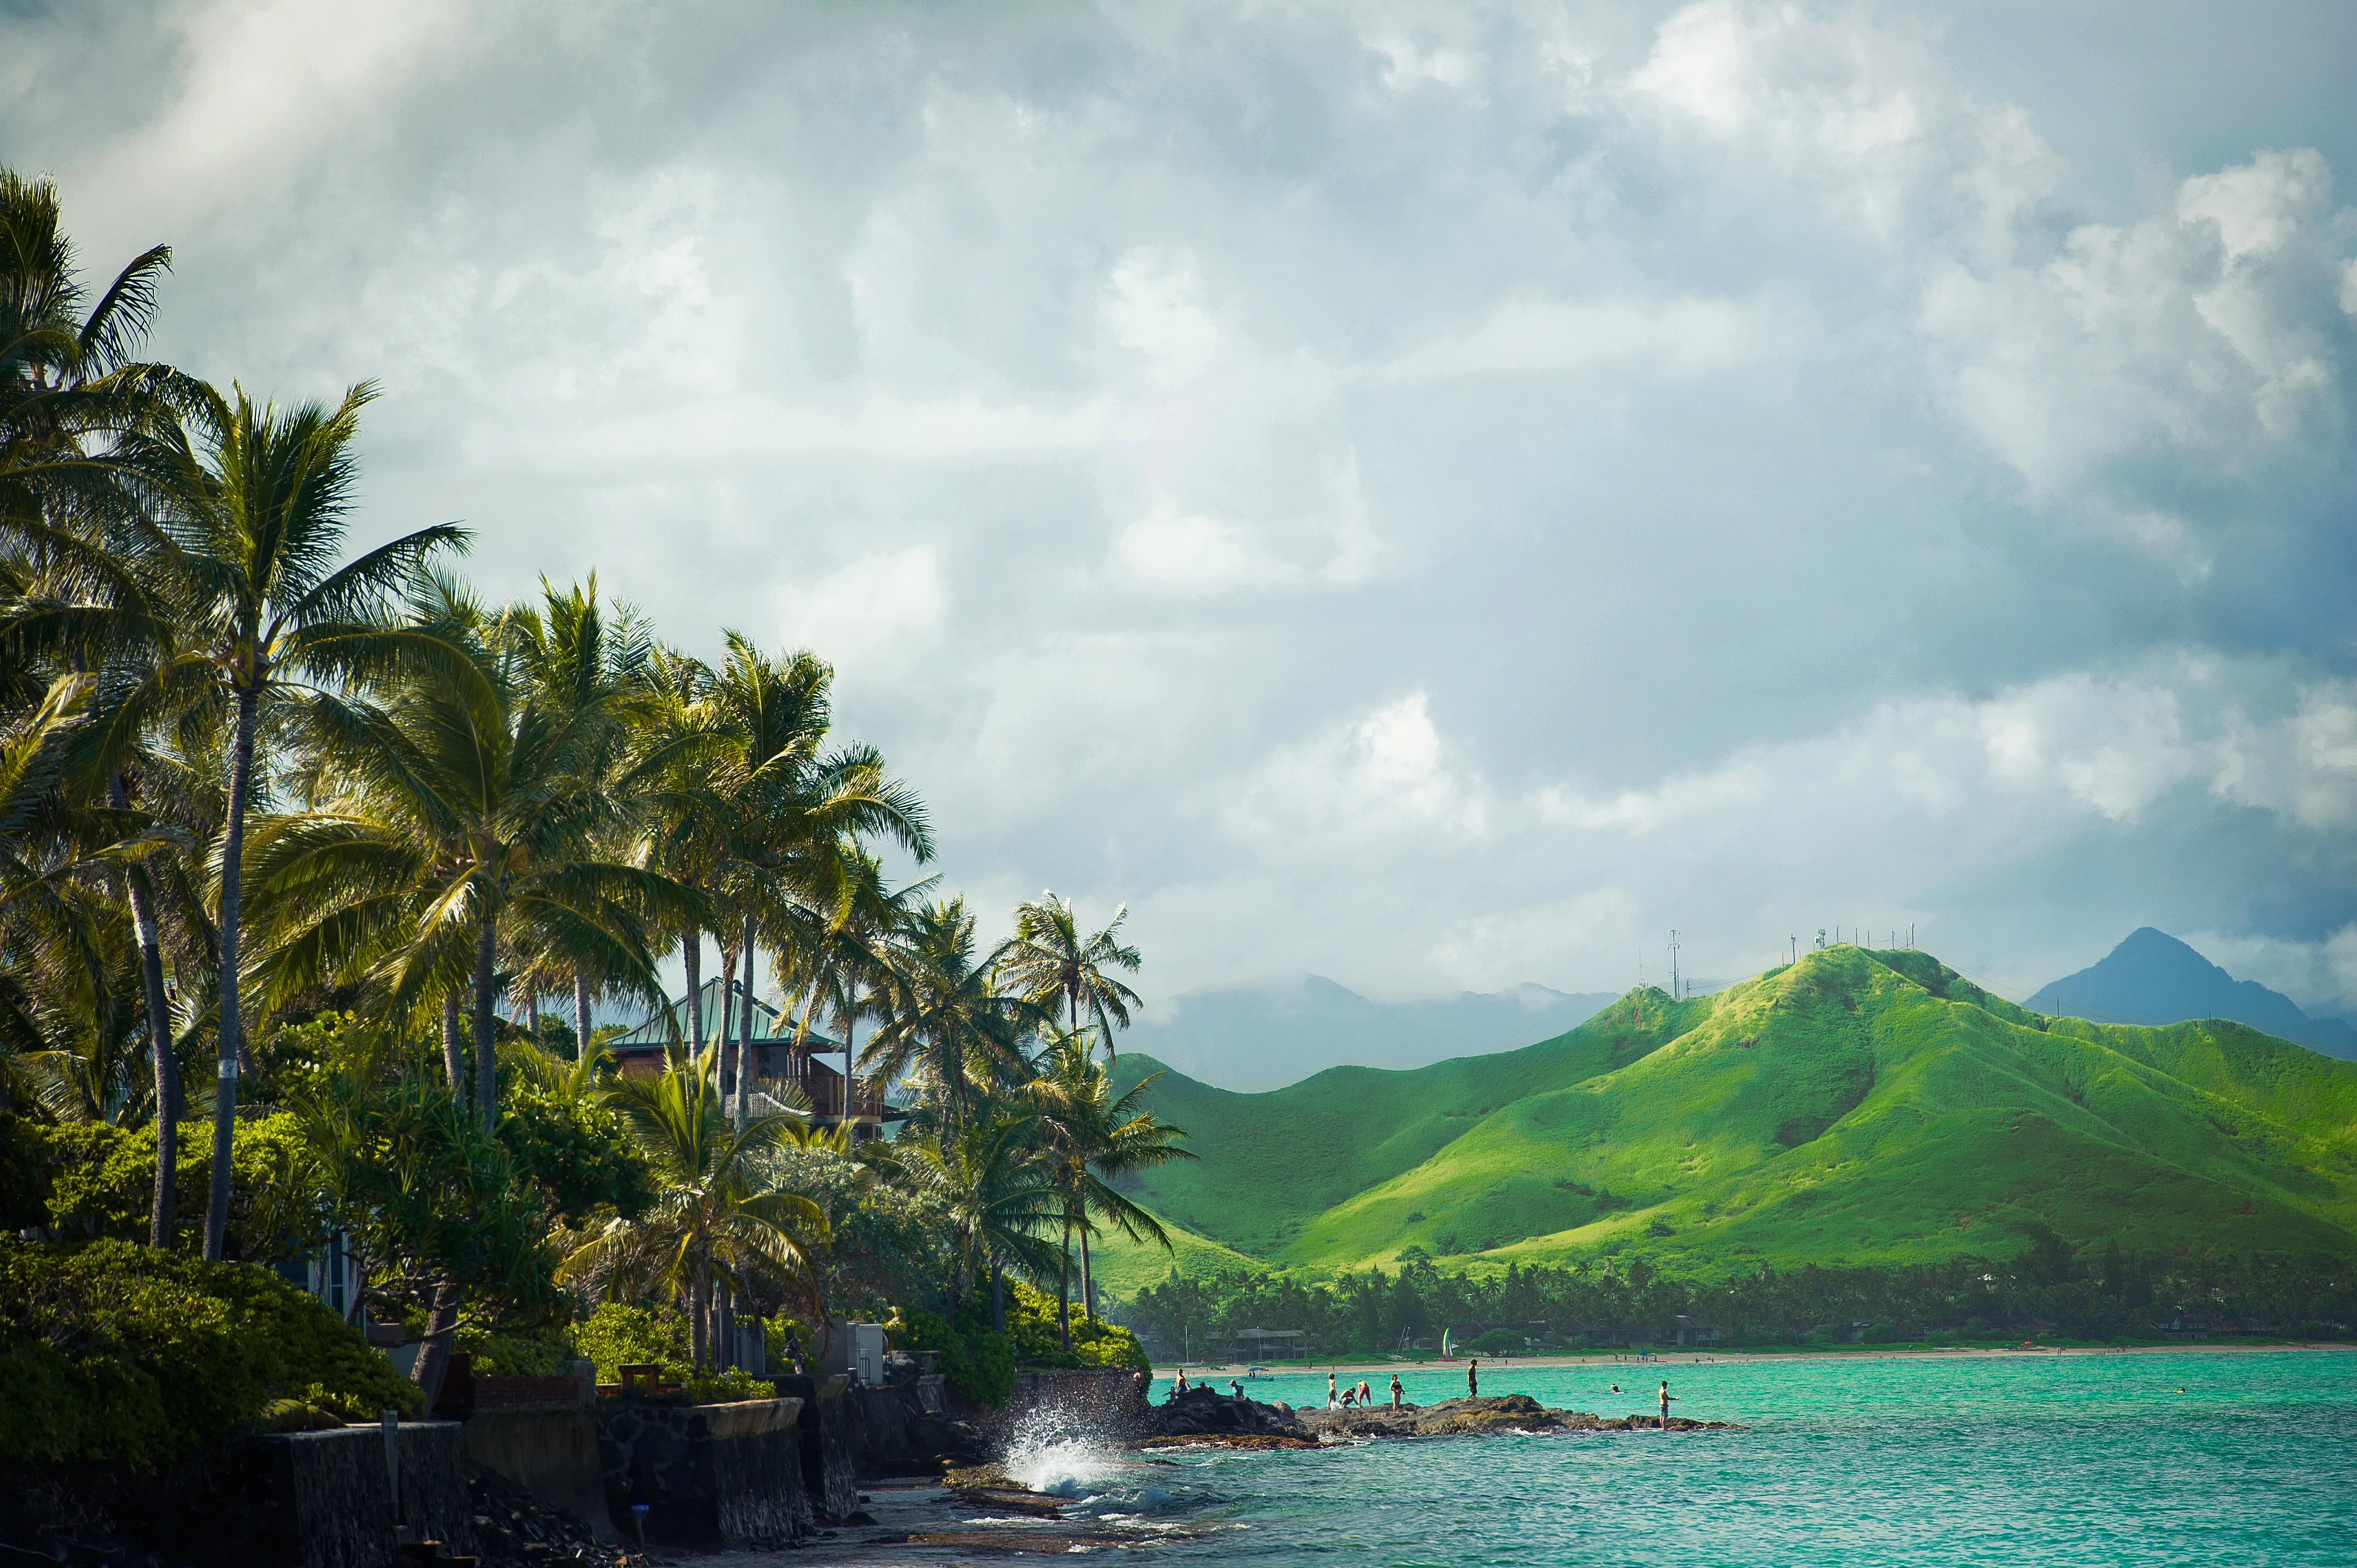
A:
[(1504, 1366)]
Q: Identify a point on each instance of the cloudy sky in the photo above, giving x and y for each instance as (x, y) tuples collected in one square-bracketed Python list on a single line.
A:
[(1433, 496)]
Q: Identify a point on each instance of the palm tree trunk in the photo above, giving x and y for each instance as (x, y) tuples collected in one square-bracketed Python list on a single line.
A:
[(727, 1012), (745, 1037), (580, 1015), (159, 1036), (1064, 1287), (997, 1297), (1088, 1280), (241, 788), (486, 1001), (454, 1060), (433, 1354), (691, 952), (699, 1323)]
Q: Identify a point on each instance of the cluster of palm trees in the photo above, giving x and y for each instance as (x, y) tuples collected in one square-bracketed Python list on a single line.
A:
[(246, 775)]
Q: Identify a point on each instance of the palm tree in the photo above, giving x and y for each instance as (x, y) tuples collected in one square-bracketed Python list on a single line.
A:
[(1051, 962), (948, 1023), (844, 961), (1092, 1136), (720, 1219), (461, 816), (794, 815), (998, 1195), (68, 390), (250, 549), (576, 659)]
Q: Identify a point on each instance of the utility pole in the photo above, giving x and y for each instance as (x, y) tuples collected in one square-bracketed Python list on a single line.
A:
[(1795, 940), (1674, 963)]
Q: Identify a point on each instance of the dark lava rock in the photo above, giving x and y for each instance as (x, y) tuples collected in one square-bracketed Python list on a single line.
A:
[(1506, 1412), (1202, 1412)]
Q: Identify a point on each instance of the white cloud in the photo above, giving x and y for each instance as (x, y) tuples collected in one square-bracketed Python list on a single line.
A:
[(1672, 339), (887, 609), (1403, 491), (1168, 552)]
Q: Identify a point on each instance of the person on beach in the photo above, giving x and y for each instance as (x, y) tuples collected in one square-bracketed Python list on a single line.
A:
[(1366, 1395), (643, 1503), (1350, 1399), (1331, 1403), (1473, 1378), (1666, 1398), (1178, 1386), (1237, 1386), (1397, 1393)]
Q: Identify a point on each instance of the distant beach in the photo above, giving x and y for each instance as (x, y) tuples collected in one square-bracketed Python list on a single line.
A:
[(1505, 1366)]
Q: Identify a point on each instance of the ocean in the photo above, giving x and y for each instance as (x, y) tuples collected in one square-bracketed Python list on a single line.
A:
[(2042, 1460)]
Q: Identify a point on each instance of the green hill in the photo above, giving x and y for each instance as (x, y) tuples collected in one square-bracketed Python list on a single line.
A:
[(1856, 1106)]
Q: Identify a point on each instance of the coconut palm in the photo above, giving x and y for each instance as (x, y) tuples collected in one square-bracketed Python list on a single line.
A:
[(997, 1192), (575, 656), (844, 961), (1090, 1135), (1051, 961), (793, 814), (720, 1217), (948, 1025), (458, 817), (69, 391), (249, 551)]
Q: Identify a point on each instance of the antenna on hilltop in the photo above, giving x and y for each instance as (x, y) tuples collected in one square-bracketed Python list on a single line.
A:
[(1820, 936), (1674, 963)]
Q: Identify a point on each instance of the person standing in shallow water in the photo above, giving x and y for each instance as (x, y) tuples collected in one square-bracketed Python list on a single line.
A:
[(1396, 1390), (1473, 1378), (1666, 1398)]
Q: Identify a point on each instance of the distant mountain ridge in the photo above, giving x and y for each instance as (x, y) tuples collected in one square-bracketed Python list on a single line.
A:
[(2153, 978), (1854, 1106), (1268, 1036)]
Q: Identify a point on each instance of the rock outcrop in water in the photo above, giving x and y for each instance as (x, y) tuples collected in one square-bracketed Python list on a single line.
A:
[(1204, 1415), (1505, 1412)]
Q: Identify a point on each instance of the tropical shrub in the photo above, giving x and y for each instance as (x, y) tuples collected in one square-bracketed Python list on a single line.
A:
[(111, 1353), (1033, 1326), (103, 1184), (616, 1336), (977, 1360)]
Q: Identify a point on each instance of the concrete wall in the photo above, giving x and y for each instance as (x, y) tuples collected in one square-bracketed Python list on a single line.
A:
[(724, 1475), (549, 1453), (830, 1433), (327, 1501)]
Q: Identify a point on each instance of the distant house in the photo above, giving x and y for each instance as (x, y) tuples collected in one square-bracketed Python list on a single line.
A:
[(1693, 1333), (1269, 1344), (778, 1061)]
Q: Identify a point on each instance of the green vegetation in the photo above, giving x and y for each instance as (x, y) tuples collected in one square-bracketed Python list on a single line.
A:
[(2046, 1290), (296, 836), (1854, 1107), (135, 1356)]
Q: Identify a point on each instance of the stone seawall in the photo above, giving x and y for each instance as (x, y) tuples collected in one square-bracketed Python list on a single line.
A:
[(723, 1474)]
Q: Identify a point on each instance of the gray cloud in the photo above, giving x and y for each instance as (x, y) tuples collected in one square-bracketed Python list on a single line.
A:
[(1431, 495)]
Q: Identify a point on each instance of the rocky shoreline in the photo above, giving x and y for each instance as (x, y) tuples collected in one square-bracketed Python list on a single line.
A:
[(1203, 1416)]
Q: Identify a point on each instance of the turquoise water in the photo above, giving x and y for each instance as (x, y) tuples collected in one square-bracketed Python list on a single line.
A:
[(2040, 1460)]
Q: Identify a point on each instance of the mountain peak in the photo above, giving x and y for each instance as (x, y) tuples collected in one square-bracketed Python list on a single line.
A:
[(2155, 978)]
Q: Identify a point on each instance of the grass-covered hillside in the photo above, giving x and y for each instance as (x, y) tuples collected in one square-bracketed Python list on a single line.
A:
[(1856, 1106)]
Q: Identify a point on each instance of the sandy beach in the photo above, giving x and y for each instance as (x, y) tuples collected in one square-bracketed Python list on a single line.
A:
[(1505, 1366)]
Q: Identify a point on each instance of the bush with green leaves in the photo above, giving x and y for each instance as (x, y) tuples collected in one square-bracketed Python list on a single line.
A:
[(616, 1336), (977, 1360), (116, 1354), (1035, 1328), (102, 1183)]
